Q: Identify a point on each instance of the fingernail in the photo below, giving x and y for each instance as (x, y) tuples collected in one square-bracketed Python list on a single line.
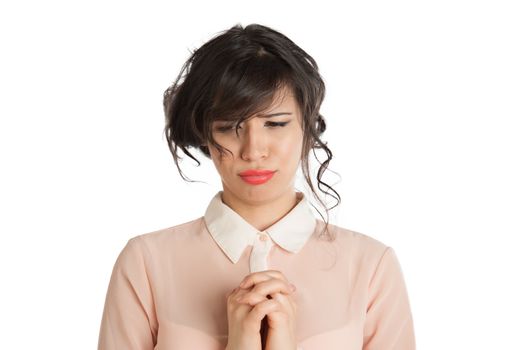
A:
[(292, 287)]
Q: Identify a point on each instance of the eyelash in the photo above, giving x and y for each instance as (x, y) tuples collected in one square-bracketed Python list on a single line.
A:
[(227, 128)]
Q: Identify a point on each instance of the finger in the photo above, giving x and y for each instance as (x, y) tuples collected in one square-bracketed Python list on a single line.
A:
[(265, 307), (260, 291), (251, 300), (286, 301), (233, 304), (236, 293), (261, 276), (273, 286), (231, 292), (284, 315)]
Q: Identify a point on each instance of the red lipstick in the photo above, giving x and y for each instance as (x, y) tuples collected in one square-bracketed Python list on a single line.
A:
[(256, 177)]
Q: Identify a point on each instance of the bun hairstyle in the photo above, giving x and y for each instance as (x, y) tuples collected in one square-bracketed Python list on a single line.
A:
[(236, 75)]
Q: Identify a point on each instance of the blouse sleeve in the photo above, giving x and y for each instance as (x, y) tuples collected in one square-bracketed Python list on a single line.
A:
[(129, 320), (388, 322)]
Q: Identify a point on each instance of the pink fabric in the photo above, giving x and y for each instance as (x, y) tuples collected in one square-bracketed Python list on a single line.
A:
[(168, 288)]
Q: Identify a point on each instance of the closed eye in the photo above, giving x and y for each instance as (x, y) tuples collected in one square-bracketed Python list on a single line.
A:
[(277, 124), (230, 127), (225, 128)]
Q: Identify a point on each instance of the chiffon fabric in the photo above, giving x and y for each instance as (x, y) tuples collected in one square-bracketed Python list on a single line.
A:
[(168, 288)]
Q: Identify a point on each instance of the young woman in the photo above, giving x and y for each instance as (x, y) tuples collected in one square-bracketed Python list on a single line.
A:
[(258, 270)]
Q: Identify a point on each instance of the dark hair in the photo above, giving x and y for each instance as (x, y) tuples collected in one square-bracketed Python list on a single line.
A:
[(236, 75)]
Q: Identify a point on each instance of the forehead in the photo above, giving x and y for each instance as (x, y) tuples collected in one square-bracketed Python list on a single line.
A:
[(283, 101)]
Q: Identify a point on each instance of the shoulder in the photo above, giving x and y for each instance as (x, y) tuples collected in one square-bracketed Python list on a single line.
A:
[(360, 246), (168, 236), (353, 237)]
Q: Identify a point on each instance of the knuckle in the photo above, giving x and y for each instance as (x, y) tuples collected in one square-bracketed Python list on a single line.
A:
[(258, 288), (274, 304), (230, 296), (286, 284), (261, 305), (279, 274)]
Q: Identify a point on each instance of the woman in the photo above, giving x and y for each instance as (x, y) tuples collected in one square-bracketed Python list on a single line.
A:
[(257, 270)]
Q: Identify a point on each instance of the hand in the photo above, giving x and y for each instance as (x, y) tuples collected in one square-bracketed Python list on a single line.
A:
[(244, 323), (281, 314)]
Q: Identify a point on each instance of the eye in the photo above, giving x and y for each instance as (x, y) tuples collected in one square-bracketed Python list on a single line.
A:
[(230, 127), (277, 124), (226, 128)]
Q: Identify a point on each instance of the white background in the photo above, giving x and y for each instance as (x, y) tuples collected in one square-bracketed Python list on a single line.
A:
[(425, 110)]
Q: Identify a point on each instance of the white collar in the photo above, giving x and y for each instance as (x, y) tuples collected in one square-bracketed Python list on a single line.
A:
[(232, 233)]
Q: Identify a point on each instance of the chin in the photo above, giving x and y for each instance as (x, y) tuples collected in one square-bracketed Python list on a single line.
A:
[(254, 193), (264, 193)]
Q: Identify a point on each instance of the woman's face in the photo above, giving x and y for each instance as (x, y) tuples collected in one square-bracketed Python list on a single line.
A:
[(271, 143)]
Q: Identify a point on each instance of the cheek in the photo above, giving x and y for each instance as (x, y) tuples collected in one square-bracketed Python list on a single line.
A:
[(290, 149), (221, 163), (216, 158), (227, 144)]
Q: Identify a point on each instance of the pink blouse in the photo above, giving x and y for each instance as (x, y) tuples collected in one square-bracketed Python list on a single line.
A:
[(168, 288)]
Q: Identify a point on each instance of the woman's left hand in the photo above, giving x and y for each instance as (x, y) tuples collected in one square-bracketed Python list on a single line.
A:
[(282, 321)]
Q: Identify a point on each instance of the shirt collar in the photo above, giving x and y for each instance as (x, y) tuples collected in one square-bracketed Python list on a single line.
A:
[(232, 233)]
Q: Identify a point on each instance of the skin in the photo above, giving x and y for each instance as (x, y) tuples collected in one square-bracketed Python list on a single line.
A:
[(261, 144), (248, 304)]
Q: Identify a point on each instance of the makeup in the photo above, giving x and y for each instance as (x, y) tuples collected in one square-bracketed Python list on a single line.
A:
[(256, 177)]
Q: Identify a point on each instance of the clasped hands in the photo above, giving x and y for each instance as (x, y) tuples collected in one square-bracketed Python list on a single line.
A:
[(249, 303)]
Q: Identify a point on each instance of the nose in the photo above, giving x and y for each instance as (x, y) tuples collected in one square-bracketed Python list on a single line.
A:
[(253, 143)]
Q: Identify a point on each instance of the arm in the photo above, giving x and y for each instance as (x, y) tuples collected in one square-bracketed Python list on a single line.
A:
[(389, 322), (129, 320)]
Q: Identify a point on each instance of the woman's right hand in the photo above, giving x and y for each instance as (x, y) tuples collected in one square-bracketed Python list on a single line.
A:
[(244, 323), (245, 316)]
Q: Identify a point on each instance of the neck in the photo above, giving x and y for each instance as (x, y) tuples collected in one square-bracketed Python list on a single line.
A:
[(261, 215)]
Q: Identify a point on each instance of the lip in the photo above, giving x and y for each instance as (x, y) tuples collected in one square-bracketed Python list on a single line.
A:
[(256, 172), (256, 177)]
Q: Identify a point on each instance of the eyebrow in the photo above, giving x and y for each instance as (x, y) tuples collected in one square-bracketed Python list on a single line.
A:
[(273, 115), (259, 116)]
